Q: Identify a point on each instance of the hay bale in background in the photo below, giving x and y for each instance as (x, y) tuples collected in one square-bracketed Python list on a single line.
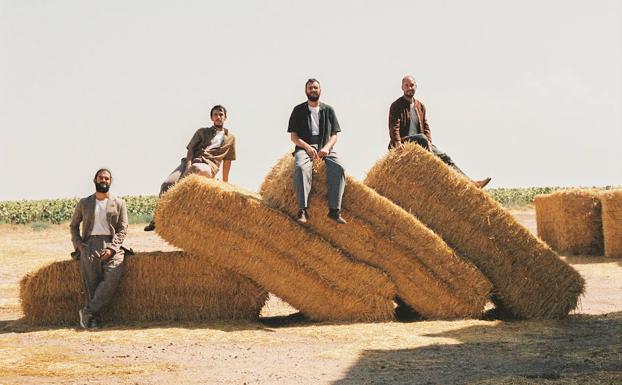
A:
[(612, 222), (237, 230), (529, 279), (570, 221), (157, 286), (428, 275)]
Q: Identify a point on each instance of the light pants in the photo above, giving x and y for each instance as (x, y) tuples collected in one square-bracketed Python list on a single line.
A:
[(303, 177), (99, 278)]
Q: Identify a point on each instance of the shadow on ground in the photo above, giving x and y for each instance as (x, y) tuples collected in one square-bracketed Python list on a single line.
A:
[(579, 350)]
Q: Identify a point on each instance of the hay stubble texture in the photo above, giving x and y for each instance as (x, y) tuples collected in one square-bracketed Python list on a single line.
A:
[(155, 286), (428, 275), (237, 230), (529, 279)]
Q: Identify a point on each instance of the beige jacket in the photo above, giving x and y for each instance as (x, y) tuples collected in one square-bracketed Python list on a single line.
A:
[(116, 214)]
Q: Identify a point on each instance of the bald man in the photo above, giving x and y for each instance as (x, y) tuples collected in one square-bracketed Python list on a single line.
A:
[(408, 123)]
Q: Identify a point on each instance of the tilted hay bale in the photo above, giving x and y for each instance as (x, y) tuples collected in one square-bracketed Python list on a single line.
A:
[(428, 275), (612, 222), (529, 279), (570, 221), (245, 235), (156, 286)]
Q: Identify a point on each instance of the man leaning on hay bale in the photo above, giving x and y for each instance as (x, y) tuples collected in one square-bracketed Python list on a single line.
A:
[(99, 247), (313, 128), (208, 148), (408, 123)]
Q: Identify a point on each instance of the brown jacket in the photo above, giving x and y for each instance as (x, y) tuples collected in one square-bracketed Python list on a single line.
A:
[(202, 138), (116, 214), (399, 120)]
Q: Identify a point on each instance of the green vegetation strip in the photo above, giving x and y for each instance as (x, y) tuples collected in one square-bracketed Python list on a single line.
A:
[(60, 210), (140, 208)]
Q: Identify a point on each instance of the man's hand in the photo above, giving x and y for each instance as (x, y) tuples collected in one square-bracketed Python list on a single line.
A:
[(312, 152), (106, 255), (323, 153), (399, 146)]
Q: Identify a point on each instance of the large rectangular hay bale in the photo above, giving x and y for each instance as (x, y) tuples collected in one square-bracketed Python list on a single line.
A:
[(428, 275), (242, 233), (612, 222), (529, 279), (570, 222), (156, 286)]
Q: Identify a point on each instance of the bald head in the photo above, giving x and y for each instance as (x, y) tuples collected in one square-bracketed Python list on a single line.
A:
[(409, 86)]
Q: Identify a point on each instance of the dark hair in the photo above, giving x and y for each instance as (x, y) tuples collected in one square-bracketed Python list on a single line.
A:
[(102, 170), (311, 80), (218, 107)]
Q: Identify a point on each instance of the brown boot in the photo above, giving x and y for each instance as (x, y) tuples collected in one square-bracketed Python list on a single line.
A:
[(481, 183), (335, 215), (150, 226)]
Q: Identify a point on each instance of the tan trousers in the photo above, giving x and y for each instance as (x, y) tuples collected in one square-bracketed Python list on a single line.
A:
[(209, 170), (99, 278)]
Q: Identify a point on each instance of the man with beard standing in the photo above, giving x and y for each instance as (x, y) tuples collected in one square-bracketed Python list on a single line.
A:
[(208, 148), (313, 128), (408, 123), (104, 226)]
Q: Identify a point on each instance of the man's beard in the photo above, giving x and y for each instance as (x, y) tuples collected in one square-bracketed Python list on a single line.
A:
[(409, 94), (102, 187), (313, 98)]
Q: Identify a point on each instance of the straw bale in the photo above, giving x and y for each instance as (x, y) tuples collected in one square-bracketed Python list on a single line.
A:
[(612, 222), (529, 279), (569, 221), (245, 235), (428, 275), (156, 286)]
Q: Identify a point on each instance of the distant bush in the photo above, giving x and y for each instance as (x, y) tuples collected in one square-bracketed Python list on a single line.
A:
[(140, 208), (520, 197), (60, 210)]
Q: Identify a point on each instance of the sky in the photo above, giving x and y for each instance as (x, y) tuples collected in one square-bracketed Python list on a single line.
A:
[(526, 92)]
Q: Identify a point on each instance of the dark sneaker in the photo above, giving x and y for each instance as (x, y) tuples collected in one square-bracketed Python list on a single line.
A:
[(94, 324), (85, 318), (150, 226), (481, 183), (302, 216), (335, 215)]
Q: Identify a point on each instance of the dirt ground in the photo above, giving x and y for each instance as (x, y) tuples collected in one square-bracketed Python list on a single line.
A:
[(284, 348)]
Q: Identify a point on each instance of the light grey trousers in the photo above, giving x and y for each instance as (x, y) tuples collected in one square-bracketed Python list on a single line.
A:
[(175, 176), (303, 178), (99, 278)]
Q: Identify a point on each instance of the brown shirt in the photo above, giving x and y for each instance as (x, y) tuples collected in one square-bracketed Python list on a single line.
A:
[(198, 147), (399, 120)]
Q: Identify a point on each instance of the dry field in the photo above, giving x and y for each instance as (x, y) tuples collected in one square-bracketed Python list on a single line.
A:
[(284, 348)]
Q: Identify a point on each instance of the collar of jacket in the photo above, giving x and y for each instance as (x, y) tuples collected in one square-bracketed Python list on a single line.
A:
[(321, 105), (111, 206), (212, 131)]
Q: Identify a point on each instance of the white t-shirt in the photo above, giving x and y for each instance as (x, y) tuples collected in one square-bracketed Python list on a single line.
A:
[(218, 140), (315, 120), (100, 225), (414, 121)]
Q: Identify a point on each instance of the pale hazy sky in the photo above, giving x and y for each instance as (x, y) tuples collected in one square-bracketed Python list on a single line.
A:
[(527, 92)]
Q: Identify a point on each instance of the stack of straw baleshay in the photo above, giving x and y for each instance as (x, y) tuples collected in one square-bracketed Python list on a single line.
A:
[(157, 286), (612, 222), (570, 221), (428, 275), (530, 280), (235, 229)]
